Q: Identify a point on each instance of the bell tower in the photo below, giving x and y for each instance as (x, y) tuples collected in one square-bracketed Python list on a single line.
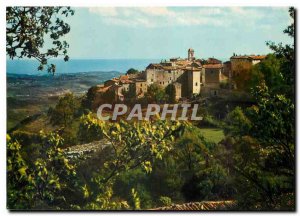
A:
[(190, 54)]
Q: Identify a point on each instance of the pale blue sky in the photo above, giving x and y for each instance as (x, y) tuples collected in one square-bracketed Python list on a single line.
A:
[(157, 33)]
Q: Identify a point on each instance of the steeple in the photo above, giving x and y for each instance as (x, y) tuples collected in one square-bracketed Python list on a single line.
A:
[(190, 54)]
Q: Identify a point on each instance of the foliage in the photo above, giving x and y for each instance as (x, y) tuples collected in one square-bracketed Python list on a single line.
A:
[(155, 94), (261, 139), (242, 75), (190, 172), (103, 200), (209, 121), (108, 96), (269, 71), (49, 183), (132, 71), (136, 144), (65, 110), (27, 28), (224, 84), (130, 95), (17, 196), (263, 150), (88, 100), (139, 180), (171, 93), (286, 53), (136, 199), (212, 134), (89, 129), (165, 201), (132, 145)]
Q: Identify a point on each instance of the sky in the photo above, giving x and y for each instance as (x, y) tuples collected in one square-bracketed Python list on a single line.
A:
[(165, 32)]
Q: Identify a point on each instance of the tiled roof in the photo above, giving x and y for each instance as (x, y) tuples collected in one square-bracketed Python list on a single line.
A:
[(180, 64), (257, 57), (253, 57), (213, 66), (126, 81), (199, 206), (213, 61), (189, 68)]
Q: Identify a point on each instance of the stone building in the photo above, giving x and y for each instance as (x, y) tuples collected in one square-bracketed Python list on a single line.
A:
[(177, 90), (193, 84), (188, 76), (140, 87), (163, 74), (213, 76), (227, 69), (244, 62), (121, 85), (186, 72)]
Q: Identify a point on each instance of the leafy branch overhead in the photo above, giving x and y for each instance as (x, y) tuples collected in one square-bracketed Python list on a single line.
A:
[(27, 29)]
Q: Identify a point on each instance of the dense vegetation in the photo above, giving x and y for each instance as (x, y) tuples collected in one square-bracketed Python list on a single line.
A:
[(147, 164), (132, 71)]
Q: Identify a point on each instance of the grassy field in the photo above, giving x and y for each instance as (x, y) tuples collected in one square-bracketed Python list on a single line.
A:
[(212, 134)]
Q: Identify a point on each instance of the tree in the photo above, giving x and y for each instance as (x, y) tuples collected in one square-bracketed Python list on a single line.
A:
[(242, 74), (48, 183), (171, 93), (155, 94), (130, 95), (286, 53), (270, 72), (131, 146), (132, 71), (88, 131), (262, 152), (27, 28), (88, 100), (261, 138), (65, 110)]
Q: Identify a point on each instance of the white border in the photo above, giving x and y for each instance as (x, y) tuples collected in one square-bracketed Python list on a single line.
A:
[(91, 3)]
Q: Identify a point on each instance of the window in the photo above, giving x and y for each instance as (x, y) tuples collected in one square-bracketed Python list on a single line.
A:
[(196, 84), (159, 82), (141, 84), (151, 80), (163, 83)]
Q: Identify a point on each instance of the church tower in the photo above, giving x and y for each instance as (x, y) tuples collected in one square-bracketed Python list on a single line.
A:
[(190, 54)]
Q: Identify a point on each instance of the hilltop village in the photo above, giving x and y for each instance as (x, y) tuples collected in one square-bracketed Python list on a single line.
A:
[(190, 76)]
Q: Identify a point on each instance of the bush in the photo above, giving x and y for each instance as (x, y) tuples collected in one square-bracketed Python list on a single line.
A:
[(165, 201), (224, 85), (132, 71), (209, 121)]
